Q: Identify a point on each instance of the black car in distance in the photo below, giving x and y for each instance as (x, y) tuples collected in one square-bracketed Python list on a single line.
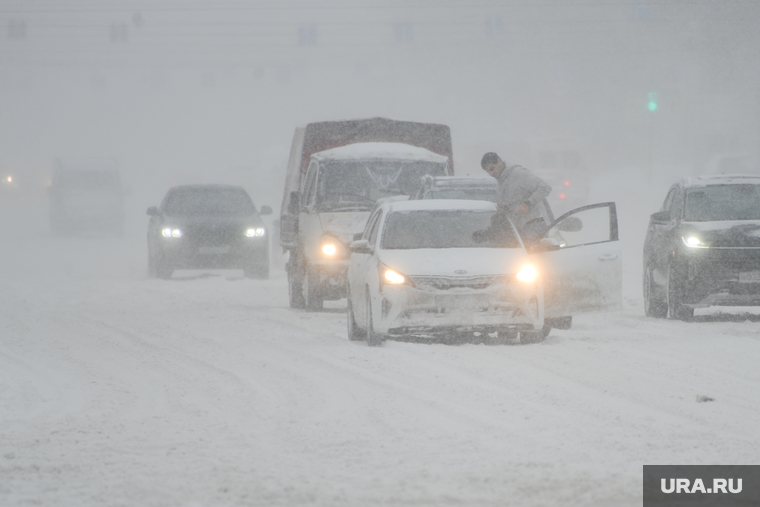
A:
[(703, 247), (207, 227)]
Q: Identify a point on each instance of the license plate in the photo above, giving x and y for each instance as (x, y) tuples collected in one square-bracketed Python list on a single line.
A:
[(214, 250), (464, 301), (750, 277)]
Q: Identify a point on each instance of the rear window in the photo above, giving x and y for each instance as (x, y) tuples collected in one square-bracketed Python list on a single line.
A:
[(209, 201), (722, 202), (447, 229)]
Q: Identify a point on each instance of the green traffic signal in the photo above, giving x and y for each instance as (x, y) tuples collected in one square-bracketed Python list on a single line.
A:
[(652, 101)]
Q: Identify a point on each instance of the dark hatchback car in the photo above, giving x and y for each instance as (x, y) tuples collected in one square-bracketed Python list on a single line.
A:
[(207, 227), (703, 247)]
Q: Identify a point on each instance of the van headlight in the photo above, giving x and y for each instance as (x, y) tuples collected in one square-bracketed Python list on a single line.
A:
[(331, 248), (169, 232), (527, 273)]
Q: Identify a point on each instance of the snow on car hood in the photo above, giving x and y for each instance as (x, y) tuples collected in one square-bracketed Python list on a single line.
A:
[(454, 261), (345, 224), (733, 233)]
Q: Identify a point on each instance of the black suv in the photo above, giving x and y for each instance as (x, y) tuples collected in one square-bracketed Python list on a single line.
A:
[(703, 247), (207, 227)]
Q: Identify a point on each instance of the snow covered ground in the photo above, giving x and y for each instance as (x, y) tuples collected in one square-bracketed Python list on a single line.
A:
[(207, 390)]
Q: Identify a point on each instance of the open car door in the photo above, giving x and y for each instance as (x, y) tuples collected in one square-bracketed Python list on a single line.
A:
[(580, 261)]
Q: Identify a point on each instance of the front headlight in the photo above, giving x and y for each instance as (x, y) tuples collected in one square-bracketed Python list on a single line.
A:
[(389, 276), (694, 241), (169, 232), (527, 273), (255, 232), (331, 248)]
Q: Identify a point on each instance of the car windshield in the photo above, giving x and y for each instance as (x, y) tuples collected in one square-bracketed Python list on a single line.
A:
[(359, 183), (208, 202), (722, 202), (477, 194), (445, 229)]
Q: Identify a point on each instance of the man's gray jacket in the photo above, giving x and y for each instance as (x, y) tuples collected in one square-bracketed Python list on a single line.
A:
[(517, 185)]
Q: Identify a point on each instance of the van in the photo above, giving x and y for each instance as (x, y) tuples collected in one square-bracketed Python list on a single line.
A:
[(336, 173)]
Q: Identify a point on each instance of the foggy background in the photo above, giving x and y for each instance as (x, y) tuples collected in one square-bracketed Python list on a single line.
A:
[(189, 91)]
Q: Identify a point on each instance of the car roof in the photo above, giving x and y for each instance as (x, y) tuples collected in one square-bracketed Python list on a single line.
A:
[(439, 204), (380, 151), (721, 179), (207, 186), (460, 182)]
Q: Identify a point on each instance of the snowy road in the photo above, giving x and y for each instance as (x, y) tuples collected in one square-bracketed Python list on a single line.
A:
[(116, 389)]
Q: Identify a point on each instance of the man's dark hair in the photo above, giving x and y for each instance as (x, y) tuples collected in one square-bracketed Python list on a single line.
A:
[(488, 159)]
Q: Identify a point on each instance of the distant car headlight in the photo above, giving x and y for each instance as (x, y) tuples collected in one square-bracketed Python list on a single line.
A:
[(694, 241), (168, 232), (331, 248), (527, 273), (255, 232)]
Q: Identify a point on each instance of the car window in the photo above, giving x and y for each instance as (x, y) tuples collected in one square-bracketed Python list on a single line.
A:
[(669, 199), (448, 229), (208, 201), (374, 228), (676, 206), (722, 202), (477, 194), (585, 226), (307, 198)]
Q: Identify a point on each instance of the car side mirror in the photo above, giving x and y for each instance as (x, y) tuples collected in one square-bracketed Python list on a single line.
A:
[(360, 246), (358, 235), (152, 211), (294, 205), (570, 224), (547, 245), (661, 217), (265, 210)]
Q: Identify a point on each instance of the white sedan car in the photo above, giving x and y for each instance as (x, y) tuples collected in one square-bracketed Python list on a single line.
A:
[(443, 268)]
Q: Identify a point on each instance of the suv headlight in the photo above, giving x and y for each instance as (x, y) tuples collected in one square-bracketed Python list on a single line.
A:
[(527, 273), (694, 241)]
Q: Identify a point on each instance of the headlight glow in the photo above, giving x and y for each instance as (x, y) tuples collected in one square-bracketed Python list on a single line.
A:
[(168, 232), (254, 232), (527, 273), (329, 249), (393, 277), (693, 242)]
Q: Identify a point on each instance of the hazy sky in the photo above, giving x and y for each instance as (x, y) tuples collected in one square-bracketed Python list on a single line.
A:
[(191, 91)]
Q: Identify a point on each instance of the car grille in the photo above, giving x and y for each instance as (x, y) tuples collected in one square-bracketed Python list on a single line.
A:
[(213, 235), (459, 282)]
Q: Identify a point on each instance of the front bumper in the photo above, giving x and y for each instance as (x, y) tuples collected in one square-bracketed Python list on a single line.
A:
[(189, 255), (330, 277), (410, 310), (722, 277)]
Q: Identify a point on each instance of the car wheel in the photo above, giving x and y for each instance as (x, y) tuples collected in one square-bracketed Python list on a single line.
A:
[(373, 339), (676, 309), (354, 332), (295, 283), (652, 307), (535, 336), (311, 292)]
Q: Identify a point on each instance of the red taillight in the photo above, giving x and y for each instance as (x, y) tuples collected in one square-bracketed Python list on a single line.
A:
[(561, 196), (567, 183)]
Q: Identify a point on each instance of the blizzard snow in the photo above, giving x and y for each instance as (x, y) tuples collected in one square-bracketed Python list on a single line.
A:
[(117, 389)]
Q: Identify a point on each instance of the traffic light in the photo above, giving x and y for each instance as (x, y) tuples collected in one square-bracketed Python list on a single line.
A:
[(652, 103)]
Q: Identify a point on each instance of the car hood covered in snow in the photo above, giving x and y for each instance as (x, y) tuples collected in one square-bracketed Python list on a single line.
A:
[(454, 261)]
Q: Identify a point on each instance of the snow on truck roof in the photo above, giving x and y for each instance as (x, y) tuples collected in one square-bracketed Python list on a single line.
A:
[(380, 151)]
